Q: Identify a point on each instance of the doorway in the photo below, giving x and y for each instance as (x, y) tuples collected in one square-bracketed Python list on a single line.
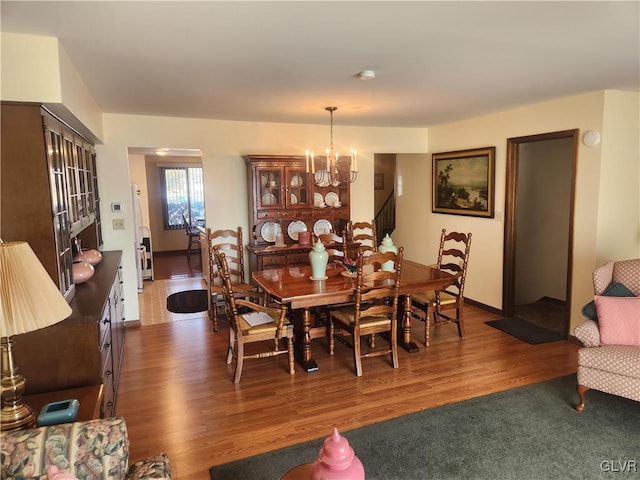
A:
[(539, 194)]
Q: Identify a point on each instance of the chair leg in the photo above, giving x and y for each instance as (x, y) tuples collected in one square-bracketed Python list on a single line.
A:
[(214, 312), (372, 341), (460, 322), (581, 392), (292, 368), (393, 339), (427, 321), (356, 355), (239, 361), (331, 339), (232, 342)]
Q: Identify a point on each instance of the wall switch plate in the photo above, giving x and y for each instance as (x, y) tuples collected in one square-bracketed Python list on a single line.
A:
[(118, 223)]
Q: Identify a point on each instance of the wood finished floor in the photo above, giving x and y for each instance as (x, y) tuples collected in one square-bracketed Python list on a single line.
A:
[(177, 396)]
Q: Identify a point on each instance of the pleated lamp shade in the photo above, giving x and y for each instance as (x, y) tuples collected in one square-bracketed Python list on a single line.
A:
[(29, 300)]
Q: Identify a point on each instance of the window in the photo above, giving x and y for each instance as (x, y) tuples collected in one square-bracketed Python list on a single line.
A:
[(182, 194)]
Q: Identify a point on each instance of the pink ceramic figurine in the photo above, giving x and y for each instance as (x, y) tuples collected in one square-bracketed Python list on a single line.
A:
[(337, 461)]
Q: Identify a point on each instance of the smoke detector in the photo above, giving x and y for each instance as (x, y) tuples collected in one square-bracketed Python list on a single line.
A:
[(367, 75)]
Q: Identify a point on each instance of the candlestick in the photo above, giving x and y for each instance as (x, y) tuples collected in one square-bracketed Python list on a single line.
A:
[(307, 162), (313, 164)]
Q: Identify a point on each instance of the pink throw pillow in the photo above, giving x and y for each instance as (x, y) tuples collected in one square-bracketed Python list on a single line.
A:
[(620, 320)]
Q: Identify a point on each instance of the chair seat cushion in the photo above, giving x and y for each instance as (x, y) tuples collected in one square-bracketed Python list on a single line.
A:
[(259, 329), (423, 298), (346, 316), (620, 359), (430, 297)]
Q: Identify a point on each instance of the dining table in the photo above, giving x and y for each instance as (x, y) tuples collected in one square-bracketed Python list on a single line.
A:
[(294, 286)]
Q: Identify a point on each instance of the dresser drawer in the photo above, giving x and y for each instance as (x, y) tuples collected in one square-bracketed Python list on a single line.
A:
[(272, 214), (273, 261), (298, 259)]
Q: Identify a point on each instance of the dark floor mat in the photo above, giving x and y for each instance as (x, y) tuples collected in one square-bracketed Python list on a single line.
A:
[(190, 301), (525, 331)]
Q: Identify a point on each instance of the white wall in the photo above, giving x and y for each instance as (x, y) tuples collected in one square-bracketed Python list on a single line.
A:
[(418, 228), (619, 209), (37, 69)]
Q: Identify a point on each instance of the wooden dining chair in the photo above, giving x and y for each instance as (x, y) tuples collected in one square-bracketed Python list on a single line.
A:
[(230, 242), (193, 236), (336, 245), (365, 234), (251, 322), (374, 311), (446, 306)]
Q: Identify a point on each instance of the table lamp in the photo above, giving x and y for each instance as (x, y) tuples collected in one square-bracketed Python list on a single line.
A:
[(29, 300)]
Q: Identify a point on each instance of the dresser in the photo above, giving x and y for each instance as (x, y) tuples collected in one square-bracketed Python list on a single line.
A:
[(284, 198), (84, 349)]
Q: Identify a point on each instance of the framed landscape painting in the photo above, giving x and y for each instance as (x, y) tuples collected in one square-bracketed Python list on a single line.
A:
[(463, 182)]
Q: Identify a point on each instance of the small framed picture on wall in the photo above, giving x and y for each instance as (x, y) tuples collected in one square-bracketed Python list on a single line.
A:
[(378, 181)]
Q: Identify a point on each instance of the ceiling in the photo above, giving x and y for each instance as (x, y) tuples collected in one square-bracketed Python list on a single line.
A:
[(435, 62)]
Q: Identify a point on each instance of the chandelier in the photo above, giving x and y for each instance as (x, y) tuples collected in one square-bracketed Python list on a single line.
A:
[(332, 174)]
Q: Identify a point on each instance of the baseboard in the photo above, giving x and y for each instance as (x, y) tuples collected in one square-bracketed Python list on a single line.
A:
[(132, 324), (482, 306), (170, 253)]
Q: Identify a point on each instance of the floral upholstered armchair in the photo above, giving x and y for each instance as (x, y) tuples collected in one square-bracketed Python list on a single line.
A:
[(91, 450), (610, 358)]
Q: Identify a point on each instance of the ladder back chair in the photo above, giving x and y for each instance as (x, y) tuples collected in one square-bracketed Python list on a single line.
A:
[(365, 234), (337, 245), (230, 242), (375, 309), (193, 236), (446, 306), (251, 322)]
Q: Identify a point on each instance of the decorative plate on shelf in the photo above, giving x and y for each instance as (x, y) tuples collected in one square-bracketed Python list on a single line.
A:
[(294, 199), (318, 200), (296, 181), (331, 199), (296, 227), (322, 226), (269, 199), (322, 178), (269, 231), (264, 179)]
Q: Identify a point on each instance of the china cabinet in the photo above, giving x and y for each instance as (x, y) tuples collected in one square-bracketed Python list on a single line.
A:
[(285, 198), (49, 190)]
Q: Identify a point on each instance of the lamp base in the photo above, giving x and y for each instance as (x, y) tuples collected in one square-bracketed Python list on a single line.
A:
[(17, 417), (14, 414)]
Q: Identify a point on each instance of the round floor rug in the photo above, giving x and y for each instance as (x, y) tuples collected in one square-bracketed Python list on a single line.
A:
[(189, 301)]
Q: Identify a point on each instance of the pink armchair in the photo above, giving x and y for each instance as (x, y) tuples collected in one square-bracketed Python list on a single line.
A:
[(603, 365)]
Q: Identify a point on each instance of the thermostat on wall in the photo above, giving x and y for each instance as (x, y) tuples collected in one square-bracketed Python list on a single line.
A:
[(116, 207)]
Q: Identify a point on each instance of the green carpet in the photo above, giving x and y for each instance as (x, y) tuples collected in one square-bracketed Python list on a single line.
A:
[(530, 432)]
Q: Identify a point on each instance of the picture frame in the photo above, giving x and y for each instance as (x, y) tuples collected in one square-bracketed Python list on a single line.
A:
[(464, 182), (378, 181)]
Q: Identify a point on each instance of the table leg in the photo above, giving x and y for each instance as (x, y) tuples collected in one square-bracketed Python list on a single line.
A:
[(404, 313), (303, 344)]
